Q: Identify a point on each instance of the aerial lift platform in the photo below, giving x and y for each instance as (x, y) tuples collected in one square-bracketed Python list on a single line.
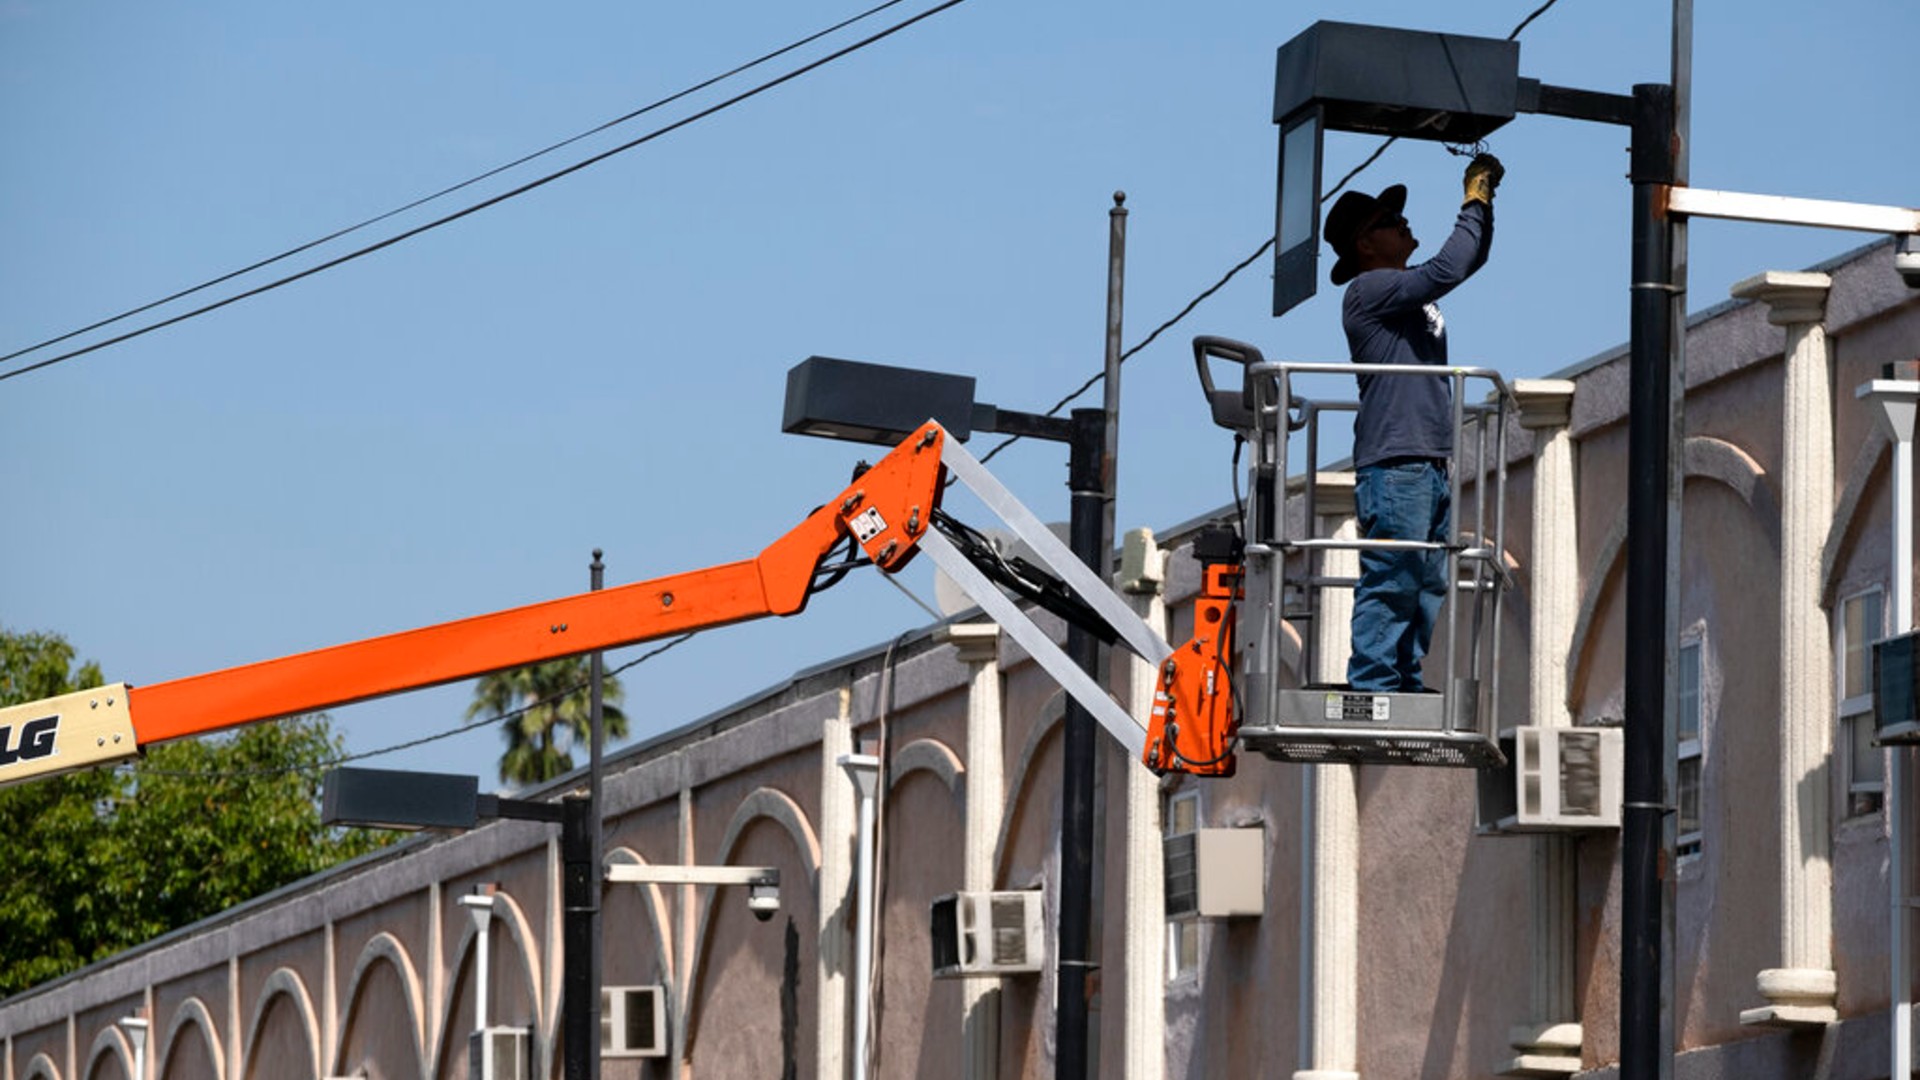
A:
[(1269, 569)]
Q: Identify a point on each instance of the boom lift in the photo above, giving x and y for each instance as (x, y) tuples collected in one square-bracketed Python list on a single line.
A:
[(889, 513), (1220, 690)]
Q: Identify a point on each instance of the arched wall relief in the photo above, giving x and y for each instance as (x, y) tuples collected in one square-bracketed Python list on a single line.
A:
[(284, 982), (384, 948), (654, 903), (762, 803), (193, 1013), (110, 1040), (1705, 458), (1052, 714), (930, 755), (1869, 464)]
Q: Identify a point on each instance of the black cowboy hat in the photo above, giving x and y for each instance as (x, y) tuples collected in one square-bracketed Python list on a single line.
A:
[(1351, 216)]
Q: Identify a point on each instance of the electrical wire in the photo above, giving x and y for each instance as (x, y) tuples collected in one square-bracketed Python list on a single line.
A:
[(511, 714), (495, 200), (462, 185), (1265, 245), (1537, 12), (911, 595), (876, 985)]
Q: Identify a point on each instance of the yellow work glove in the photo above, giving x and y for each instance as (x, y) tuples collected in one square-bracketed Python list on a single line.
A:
[(1483, 176)]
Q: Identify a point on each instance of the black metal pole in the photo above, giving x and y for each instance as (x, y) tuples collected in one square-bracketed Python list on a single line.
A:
[(1086, 522), (597, 856), (1643, 864), (1110, 399), (580, 887)]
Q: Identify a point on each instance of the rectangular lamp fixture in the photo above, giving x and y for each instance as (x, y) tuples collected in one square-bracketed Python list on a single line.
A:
[(874, 403), (395, 799)]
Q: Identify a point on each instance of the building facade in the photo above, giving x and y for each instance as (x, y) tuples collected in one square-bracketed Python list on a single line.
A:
[(1393, 937)]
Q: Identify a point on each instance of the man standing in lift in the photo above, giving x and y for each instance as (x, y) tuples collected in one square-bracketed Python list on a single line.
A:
[(1403, 436)]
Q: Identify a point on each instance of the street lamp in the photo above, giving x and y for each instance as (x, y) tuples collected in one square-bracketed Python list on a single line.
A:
[(409, 801), (879, 403)]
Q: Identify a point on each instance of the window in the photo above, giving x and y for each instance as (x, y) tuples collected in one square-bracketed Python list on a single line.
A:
[(1862, 765), (1183, 935), (1687, 730)]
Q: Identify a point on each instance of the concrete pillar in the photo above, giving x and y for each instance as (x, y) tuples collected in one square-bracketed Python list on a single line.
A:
[(837, 830), (1144, 1055), (1801, 990), (1549, 1044), (1330, 816), (978, 647)]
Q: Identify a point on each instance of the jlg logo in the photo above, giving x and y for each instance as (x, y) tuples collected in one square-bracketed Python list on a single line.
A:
[(36, 740)]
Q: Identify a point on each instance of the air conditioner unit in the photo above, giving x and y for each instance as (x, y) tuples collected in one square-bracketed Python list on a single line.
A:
[(1215, 873), (498, 1053), (633, 1021), (1555, 779), (1895, 718), (988, 933)]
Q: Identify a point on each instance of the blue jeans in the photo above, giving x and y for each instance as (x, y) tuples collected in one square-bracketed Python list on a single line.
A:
[(1400, 592)]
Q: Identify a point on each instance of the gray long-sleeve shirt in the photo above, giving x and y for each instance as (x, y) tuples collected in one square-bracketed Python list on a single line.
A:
[(1390, 318)]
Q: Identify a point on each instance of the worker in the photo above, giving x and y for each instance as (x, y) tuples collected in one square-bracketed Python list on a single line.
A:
[(1403, 436)]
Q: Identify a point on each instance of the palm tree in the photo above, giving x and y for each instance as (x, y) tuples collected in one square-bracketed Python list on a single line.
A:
[(549, 704)]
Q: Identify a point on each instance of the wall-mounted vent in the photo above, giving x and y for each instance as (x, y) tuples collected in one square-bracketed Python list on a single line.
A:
[(1896, 719), (988, 933), (1556, 778), (498, 1053), (1215, 873), (633, 1021)]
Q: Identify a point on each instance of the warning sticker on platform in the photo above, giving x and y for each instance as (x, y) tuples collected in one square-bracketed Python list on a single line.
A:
[(868, 525), (1358, 708)]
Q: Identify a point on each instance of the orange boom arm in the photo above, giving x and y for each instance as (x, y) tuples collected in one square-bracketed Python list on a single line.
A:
[(885, 510)]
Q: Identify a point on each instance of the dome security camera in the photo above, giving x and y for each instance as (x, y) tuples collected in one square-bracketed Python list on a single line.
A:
[(763, 901), (1906, 259)]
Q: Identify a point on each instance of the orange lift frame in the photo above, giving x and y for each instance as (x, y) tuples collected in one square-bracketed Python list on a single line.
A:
[(887, 511)]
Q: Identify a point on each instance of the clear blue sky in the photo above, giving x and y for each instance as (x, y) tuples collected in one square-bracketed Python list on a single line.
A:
[(451, 425)]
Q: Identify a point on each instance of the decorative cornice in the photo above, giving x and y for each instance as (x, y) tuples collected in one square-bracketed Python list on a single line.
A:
[(974, 643), (1791, 297), (1544, 403)]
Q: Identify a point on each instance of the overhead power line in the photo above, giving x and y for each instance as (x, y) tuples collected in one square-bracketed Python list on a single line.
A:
[(494, 200), (449, 190), (1266, 244)]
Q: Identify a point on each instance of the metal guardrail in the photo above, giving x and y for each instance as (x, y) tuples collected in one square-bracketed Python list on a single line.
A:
[(1286, 722)]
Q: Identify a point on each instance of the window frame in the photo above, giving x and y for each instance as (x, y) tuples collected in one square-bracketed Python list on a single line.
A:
[(1858, 798), (1691, 751), (1183, 935)]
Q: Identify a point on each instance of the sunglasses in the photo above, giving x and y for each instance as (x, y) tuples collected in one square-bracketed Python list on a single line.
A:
[(1391, 221)]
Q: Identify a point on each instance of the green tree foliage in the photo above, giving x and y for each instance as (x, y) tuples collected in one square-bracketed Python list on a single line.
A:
[(549, 707), (98, 861)]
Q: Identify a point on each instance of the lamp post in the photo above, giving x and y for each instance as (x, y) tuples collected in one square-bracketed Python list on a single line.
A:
[(877, 403), (410, 801), (585, 892)]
